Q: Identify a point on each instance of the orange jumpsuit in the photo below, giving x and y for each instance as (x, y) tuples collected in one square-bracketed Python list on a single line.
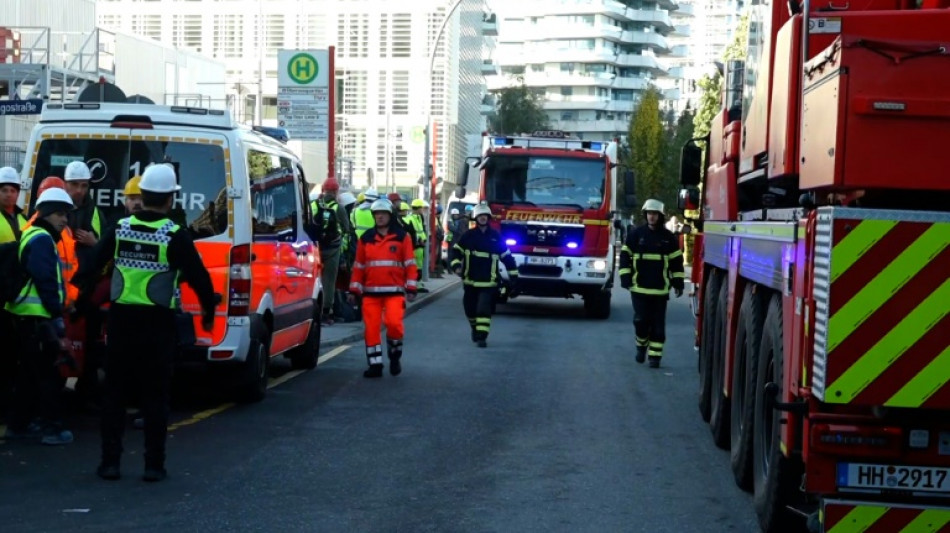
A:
[(384, 270)]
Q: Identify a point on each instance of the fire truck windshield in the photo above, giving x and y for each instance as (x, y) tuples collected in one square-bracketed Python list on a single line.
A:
[(554, 181)]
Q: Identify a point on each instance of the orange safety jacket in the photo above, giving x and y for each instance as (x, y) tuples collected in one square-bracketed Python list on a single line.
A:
[(67, 256), (385, 265)]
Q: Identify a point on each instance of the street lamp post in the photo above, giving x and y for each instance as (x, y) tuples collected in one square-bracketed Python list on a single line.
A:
[(428, 167)]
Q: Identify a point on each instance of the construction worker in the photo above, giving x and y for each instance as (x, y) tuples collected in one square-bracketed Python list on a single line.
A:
[(418, 221), (403, 219), (66, 246), (650, 264), (132, 196), (362, 216), (149, 253), (86, 220), (384, 275), (475, 258), (335, 225), (12, 216), (39, 325)]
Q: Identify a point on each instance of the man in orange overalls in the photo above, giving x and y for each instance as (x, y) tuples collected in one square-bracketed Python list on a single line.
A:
[(384, 274)]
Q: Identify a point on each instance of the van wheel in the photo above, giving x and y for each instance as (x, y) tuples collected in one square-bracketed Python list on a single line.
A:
[(305, 356), (253, 383)]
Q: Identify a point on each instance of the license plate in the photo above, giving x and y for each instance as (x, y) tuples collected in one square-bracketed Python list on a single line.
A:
[(912, 478), (540, 260)]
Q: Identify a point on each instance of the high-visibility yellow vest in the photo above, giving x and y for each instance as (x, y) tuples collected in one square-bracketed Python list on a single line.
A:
[(142, 274), (363, 220), (28, 302)]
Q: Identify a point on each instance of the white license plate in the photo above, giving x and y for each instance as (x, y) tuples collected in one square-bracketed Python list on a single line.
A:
[(912, 478), (539, 260)]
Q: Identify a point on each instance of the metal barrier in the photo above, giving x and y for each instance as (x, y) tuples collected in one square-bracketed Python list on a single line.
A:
[(12, 154)]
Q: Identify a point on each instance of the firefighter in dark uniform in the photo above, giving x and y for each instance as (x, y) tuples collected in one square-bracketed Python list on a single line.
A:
[(650, 264), (475, 257), (150, 252)]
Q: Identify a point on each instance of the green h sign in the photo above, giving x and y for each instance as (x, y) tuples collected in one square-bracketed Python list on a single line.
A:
[(303, 68)]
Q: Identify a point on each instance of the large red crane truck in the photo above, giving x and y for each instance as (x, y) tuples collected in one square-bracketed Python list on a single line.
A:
[(821, 266)]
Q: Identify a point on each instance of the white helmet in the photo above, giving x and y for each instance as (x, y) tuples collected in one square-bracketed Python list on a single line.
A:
[(653, 205), (159, 178), (9, 176), (481, 209), (77, 171), (314, 193), (54, 200), (347, 198), (453, 211), (371, 194), (382, 204)]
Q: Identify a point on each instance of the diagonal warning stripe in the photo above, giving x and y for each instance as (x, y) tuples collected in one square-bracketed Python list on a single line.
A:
[(904, 267), (910, 329), (858, 519), (930, 520), (927, 382), (858, 241)]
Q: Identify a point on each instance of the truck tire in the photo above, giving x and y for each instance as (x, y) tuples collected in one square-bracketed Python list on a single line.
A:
[(305, 356), (252, 386), (775, 477), (719, 403), (597, 305), (748, 341), (706, 346)]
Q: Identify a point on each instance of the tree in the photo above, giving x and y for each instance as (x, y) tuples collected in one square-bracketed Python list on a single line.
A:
[(709, 104), (648, 150), (678, 134), (518, 111)]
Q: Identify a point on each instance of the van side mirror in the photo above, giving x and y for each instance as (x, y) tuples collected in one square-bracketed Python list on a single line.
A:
[(630, 189), (688, 199), (691, 163), (460, 192), (470, 162)]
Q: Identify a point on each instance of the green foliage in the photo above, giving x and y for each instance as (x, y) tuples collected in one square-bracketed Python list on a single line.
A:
[(709, 102), (649, 153), (518, 111)]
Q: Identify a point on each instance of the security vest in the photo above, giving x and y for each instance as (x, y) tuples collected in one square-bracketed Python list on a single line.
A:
[(7, 232), (67, 258), (363, 220), (419, 226), (28, 302), (326, 211), (142, 274)]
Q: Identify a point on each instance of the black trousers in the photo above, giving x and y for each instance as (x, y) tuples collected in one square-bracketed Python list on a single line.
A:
[(38, 381), (8, 362), (477, 302), (649, 321), (140, 355)]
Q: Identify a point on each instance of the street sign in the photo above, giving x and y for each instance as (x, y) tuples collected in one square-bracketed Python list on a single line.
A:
[(303, 93), (33, 106)]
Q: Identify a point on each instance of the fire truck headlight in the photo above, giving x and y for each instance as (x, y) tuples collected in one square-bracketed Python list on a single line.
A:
[(597, 264), (572, 245), (511, 242)]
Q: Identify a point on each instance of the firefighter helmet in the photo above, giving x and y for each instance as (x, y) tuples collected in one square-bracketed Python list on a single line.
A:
[(454, 211), (382, 205), (481, 209), (653, 205)]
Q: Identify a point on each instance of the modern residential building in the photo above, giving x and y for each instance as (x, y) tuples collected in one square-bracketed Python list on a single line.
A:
[(590, 59), (680, 87), (719, 21), (383, 53)]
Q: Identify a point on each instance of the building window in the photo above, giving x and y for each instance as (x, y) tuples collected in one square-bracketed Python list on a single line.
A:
[(401, 38), (567, 91), (400, 92), (567, 115)]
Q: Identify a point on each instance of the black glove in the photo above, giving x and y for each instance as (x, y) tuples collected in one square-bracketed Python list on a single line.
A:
[(513, 283), (625, 282), (678, 292)]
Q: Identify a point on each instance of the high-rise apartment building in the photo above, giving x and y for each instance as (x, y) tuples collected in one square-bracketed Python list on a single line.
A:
[(589, 59), (383, 52), (719, 21)]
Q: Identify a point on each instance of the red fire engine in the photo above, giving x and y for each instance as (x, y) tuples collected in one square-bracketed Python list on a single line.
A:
[(823, 299)]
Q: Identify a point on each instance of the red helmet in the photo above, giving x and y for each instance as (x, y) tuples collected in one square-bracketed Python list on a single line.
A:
[(394, 198), (51, 182), (331, 185)]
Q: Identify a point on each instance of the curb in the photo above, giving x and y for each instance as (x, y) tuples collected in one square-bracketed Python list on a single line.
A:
[(410, 309)]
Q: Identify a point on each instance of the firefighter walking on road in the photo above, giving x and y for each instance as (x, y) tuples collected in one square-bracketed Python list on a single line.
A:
[(384, 275), (650, 264), (475, 258), (150, 253)]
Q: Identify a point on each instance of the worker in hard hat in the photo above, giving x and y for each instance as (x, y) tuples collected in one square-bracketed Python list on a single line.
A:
[(418, 221), (651, 264), (40, 328), (132, 195), (11, 216), (334, 226), (86, 221), (362, 217), (151, 254)]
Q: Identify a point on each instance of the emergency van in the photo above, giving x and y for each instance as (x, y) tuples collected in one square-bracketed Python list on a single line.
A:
[(243, 200)]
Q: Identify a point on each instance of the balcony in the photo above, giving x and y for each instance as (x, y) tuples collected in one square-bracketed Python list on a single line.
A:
[(683, 10), (657, 17), (489, 68), (489, 25), (592, 126), (557, 102), (567, 79), (488, 105), (679, 51), (655, 40), (682, 30)]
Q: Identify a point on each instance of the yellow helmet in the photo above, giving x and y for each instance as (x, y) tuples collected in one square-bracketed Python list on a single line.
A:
[(360, 197), (132, 187), (403, 206), (419, 202)]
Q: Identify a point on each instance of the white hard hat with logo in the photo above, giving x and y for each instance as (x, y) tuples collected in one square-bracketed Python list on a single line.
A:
[(77, 171), (159, 179), (653, 205), (9, 176)]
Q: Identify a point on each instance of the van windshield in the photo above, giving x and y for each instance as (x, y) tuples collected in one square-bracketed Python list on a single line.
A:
[(201, 205)]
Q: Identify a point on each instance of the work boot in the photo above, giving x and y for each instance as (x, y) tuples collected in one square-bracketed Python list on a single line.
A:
[(395, 367), (641, 354), (474, 338), (654, 361), (153, 474), (374, 371), (394, 350), (482, 343), (108, 471)]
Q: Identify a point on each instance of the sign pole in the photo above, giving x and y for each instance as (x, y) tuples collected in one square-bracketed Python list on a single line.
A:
[(331, 120)]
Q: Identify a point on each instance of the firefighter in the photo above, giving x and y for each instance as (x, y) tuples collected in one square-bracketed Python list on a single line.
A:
[(149, 253), (650, 264), (475, 257), (384, 275), (418, 222), (39, 325), (12, 216), (334, 225)]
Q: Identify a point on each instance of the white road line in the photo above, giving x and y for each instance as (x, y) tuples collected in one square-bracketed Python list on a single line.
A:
[(333, 353)]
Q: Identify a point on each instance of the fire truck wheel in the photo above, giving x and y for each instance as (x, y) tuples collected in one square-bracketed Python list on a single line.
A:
[(748, 340), (253, 382), (305, 356), (775, 477), (719, 403), (706, 342)]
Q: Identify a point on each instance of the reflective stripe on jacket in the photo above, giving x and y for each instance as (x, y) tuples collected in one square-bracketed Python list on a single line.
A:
[(385, 264), (30, 300), (142, 274), (478, 253), (651, 262)]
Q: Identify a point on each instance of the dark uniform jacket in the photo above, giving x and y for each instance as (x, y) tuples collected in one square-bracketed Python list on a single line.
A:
[(651, 262), (478, 253)]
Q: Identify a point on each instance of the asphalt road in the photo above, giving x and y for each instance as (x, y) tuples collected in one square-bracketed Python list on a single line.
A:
[(553, 427)]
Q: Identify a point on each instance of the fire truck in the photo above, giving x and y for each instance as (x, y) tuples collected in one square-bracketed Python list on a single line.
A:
[(554, 200), (822, 202)]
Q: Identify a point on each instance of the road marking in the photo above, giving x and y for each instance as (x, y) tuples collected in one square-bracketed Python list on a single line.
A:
[(333, 353)]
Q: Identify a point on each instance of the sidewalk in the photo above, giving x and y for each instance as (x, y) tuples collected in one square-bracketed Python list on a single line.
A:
[(347, 332)]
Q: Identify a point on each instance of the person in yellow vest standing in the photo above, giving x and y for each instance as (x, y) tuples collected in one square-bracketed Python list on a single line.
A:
[(419, 225), (362, 216), (150, 253), (39, 326), (11, 226)]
